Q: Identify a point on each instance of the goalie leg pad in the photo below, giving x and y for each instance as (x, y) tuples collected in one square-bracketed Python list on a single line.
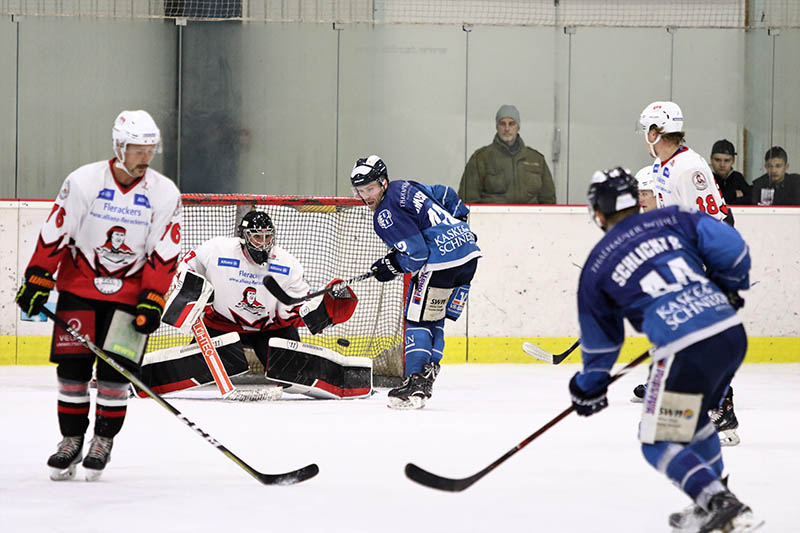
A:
[(317, 371), (184, 367)]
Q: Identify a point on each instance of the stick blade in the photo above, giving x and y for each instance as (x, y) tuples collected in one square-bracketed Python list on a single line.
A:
[(534, 351), (277, 291), (289, 478), (428, 479)]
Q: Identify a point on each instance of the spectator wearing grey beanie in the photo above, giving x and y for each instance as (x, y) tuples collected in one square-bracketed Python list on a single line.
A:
[(507, 171)]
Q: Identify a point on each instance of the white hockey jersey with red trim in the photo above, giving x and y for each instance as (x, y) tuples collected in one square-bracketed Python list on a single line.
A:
[(241, 302), (108, 241), (685, 179)]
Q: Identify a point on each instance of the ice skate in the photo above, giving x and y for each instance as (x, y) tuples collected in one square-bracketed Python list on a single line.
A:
[(638, 393), (726, 514), (64, 462), (429, 372), (98, 457), (725, 421), (411, 394)]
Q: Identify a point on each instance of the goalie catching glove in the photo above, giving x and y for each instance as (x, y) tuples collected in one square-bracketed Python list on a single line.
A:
[(148, 312), (35, 290), (587, 403), (336, 307), (386, 268)]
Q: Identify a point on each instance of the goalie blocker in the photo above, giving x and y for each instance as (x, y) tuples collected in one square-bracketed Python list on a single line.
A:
[(317, 371)]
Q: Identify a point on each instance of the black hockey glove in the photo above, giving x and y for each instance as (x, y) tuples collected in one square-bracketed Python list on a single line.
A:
[(586, 404), (736, 301), (148, 312), (35, 290), (386, 268)]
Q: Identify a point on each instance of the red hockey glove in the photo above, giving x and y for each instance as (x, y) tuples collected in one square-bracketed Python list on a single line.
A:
[(148, 312), (336, 307)]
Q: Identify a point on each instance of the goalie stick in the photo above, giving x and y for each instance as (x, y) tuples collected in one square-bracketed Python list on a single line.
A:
[(277, 291), (288, 478), (543, 355), (429, 479)]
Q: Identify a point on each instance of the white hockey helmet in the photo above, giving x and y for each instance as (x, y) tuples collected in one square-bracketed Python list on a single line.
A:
[(134, 127), (666, 116), (645, 178)]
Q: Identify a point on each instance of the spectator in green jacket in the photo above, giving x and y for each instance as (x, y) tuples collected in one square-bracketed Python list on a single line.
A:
[(507, 171)]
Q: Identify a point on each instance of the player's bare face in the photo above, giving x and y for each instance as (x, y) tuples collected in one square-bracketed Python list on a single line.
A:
[(507, 130), (776, 168), (647, 200), (722, 164), (138, 157), (371, 194)]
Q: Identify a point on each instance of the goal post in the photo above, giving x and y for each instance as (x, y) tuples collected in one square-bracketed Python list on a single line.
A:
[(331, 237)]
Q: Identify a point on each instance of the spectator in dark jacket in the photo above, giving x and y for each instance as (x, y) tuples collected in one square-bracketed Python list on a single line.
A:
[(507, 171), (776, 187), (732, 185)]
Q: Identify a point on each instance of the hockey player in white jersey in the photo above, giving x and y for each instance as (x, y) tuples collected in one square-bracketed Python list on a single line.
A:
[(110, 244), (235, 268), (682, 177)]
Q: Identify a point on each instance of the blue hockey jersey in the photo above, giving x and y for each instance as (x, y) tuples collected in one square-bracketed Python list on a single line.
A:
[(426, 225), (665, 271)]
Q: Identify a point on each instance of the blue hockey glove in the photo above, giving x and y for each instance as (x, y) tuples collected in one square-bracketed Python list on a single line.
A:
[(587, 404), (35, 290), (386, 268)]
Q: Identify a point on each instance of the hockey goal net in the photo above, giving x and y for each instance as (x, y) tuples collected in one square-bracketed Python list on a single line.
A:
[(331, 237)]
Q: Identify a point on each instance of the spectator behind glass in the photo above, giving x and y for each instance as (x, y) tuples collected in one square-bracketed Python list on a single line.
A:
[(732, 185), (776, 187), (507, 171)]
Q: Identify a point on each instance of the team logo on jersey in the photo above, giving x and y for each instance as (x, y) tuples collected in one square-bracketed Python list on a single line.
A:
[(700, 181), (228, 262), (141, 199), (107, 285), (114, 250), (385, 219), (666, 172), (280, 269), (64, 191), (106, 194), (249, 302)]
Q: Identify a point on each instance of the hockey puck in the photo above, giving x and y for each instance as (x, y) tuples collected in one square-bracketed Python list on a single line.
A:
[(343, 342)]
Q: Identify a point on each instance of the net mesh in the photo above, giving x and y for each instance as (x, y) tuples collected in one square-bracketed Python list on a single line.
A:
[(616, 13), (331, 237)]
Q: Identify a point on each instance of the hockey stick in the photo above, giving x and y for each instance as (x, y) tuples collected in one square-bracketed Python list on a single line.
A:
[(289, 478), (423, 477), (543, 355), (277, 291), (212, 358)]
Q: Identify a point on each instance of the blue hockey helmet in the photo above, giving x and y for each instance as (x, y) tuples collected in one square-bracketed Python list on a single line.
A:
[(612, 191)]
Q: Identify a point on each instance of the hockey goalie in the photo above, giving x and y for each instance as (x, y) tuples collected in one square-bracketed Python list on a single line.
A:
[(219, 299)]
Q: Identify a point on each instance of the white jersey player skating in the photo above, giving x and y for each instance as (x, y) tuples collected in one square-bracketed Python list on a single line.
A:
[(110, 244)]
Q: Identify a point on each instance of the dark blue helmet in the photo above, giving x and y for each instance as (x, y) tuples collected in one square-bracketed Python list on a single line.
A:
[(612, 191), (368, 169)]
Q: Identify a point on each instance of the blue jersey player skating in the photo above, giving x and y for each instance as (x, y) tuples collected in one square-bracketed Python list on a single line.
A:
[(426, 229), (674, 274)]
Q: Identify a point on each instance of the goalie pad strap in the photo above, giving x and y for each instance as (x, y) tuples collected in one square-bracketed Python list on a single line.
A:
[(318, 371)]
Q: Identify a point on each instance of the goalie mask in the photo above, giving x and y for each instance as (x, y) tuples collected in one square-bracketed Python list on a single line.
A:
[(612, 191), (134, 127), (257, 236)]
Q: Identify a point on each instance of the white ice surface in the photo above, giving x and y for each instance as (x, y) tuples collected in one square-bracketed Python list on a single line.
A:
[(583, 475)]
